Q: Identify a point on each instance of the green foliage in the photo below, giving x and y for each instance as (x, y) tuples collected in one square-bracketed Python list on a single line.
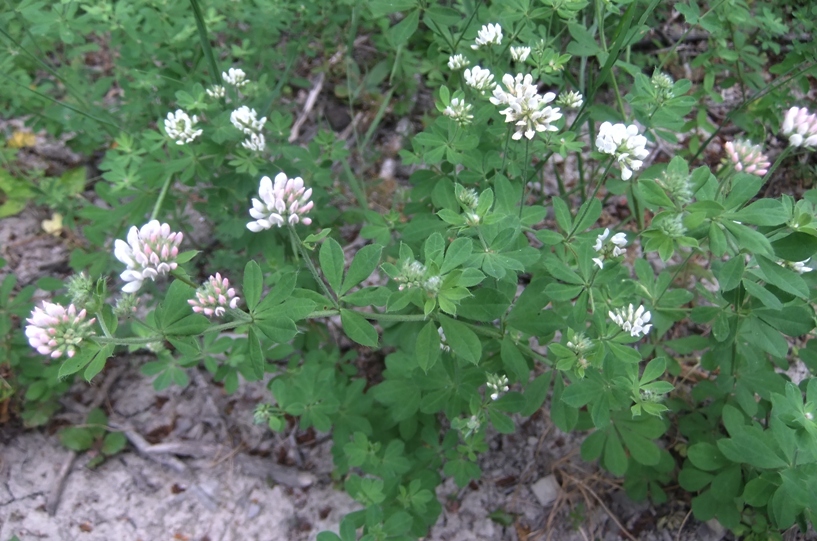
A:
[(487, 288)]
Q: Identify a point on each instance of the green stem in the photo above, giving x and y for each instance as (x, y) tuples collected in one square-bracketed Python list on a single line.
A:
[(524, 178), (586, 207), (783, 155), (315, 274), (505, 152), (162, 194), (102, 325)]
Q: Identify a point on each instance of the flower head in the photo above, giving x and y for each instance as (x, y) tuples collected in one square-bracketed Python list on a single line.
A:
[(443, 342), (571, 100), (520, 54), (747, 157), (489, 34), (612, 248), (623, 142), (479, 79), (662, 83), (525, 106), (632, 321), (235, 77), (459, 111), (457, 62), (150, 251), (246, 120), (497, 384), (801, 127), (55, 331), (285, 201), (255, 142), (181, 127), (214, 297), (216, 91)]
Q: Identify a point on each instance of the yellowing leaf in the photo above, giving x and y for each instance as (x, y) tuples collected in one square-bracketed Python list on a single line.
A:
[(54, 225), (22, 139)]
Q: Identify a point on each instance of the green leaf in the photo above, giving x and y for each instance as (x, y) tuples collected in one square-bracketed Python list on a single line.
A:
[(76, 439), (763, 295), (761, 212), (78, 361), (513, 361), (502, 423), (731, 273), (486, 305), (706, 456), (98, 363), (592, 215), (458, 253), (280, 292), (796, 247), (783, 278), (253, 283), (428, 346), (536, 393), (398, 524), (358, 329), (748, 238), (113, 443), (615, 460), (462, 340), (623, 353), (744, 448), (331, 259), (279, 329), (563, 217), (256, 355), (400, 33), (380, 8), (362, 266)]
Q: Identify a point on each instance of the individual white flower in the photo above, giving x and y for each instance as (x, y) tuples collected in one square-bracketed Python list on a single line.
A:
[(246, 120), (520, 54), (457, 62), (214, 297), (285, 202), (479, 79), (459, 111), (526, 108), (489, 34), (571, 100), (55, 331), (181, 127), (612, 248), (443, 343), (235, 77), (623, 142), (801, 127), (632, 321), (797, 266), (497, 384), (255, 142), (216, 91), (149, 252)]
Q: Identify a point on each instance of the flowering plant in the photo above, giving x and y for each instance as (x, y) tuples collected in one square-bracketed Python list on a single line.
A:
[(545, 245)]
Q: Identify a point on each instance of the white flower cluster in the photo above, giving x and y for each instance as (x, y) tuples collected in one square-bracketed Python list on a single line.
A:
[(459, 111), (635, 322), (489, 34), (55, 331), (525, 106), (214, 296), (246, 120), (520, 54), (181, 127), (457, 62), (623, 142), (801, 127), (612, 248), (479, 79), (747, 157), (216, 91), (497, 384), (235, 77), (443, 342), (150, 251), (285, 202)]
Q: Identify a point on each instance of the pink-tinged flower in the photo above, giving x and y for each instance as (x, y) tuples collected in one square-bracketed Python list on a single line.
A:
[(801, 127), (150, 251), (214, 297), (55, 331), (747, 157), (285, 201)]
